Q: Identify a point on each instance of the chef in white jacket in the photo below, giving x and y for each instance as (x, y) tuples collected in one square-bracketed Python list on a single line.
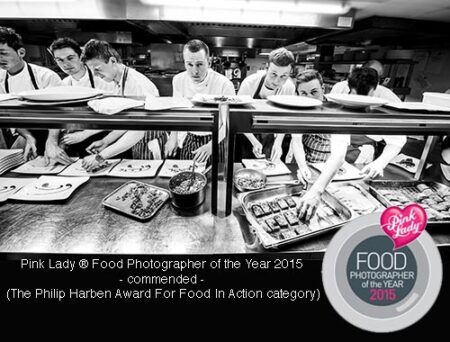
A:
[(16, 76), (67, 55), (198, 78)]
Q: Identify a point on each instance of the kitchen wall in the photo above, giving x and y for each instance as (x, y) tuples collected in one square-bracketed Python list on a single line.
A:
[(432, 73), (255, 64)]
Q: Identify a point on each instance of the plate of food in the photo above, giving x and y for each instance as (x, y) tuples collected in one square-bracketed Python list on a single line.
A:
[(356, 101), (345, 172), (76, 170), (38, 166), (9, 186), (49, 188), (171, 167), (233, 100), (407, 163), (267, 167), (294, 101), (63, 93), (136, 199), (134, 168)]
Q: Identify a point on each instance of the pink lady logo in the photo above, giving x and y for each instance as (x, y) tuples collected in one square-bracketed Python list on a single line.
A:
[(403, 225)]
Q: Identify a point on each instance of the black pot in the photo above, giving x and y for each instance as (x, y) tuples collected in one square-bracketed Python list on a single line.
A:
[(190, 199)]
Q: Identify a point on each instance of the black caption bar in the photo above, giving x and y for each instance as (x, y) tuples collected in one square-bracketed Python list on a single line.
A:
[(294, 280)]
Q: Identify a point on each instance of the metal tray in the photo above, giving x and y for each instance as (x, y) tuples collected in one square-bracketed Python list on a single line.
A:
[(319, 224), (407, 191), (355, 197), (116, 200)]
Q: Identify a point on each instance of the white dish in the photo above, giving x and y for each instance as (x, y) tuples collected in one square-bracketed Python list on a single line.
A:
[(234, 100), (55, 103), (407, 163), (294, 101), (267, 167), (132, 168), (9, 186), (76, 170), (345, 172), (37, 167), (417, 106), (166, 102), (172, 167), (63, 93), (49, 188), (356, 101), (8, 153)]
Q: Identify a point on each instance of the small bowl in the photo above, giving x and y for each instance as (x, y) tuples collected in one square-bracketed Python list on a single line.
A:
[(256, 176), (187, 199)]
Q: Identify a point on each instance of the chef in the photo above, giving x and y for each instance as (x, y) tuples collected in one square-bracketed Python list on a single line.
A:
[(364, 81), (276, 81), (16, 76), (106, 64), (67, 55), (198, 78), (315, 148)]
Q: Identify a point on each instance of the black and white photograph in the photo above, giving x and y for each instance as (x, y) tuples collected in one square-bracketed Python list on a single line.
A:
[(165, 127)]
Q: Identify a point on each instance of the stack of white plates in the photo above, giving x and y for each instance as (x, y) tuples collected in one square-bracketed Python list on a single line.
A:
[(10, 159)]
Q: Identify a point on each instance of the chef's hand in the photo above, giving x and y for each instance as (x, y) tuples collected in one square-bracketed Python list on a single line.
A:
[(308, 205), (304, 174), (277, 151), (73, 138), (372, 170), (170, 148), (55, 154), (258, 149), (97, 146), (203, 153), (89, 163), (30, 150)]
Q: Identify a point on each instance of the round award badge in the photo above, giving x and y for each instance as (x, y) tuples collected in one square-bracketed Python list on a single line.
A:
[(383, 273)]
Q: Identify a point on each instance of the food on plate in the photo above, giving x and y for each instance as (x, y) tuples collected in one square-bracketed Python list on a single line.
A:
[(422, 187), (250, 182), (281, 221), (189, 185), (138, 199), (282, 204), (290, 201), (341, 171), (291, 218), (274, 206), (408, 162), (131, 168), (272, 224), (257, 211), (436, 198), (266, 208)]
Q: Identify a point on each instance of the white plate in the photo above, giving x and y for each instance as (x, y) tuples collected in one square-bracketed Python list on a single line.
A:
[(166, 102), (407, 163), (8, 153), (63, 93), (172, 167), (356, 101), (76, 170), (234, 100), (55, 103), (267, 167), (37, 167), (49, 188), (417, 106), (345, 172), (9, 186), (132, 168), (294, 101)]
